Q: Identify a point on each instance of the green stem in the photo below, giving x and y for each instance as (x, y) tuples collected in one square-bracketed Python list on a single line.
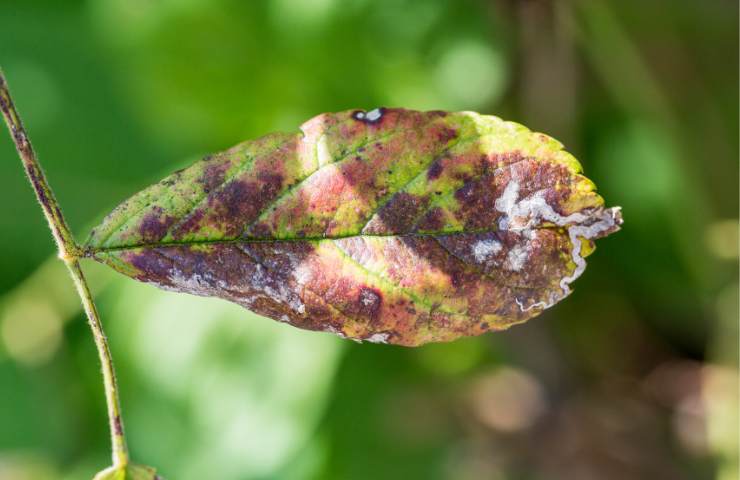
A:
[(70, 253)]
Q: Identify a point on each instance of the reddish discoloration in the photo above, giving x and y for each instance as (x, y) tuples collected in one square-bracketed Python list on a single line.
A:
[(117, 425), (433, 220), (154, 225), (388, 225), (398, 215), (358, 180), (240, 202), (213, 175), (438, 113), (435, 170), (547, 256), (262, 277), (446, 135), (536, 176), (237, 200), (151, 266), (357, 174), (475, 198), (477, 195), (369, 302), (192, 224)]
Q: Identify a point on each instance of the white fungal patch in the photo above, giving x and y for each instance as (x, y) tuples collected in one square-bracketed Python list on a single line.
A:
[(516, 258), (506, 203), (522, 216), (373, 115), (302, 275), (378, 338), (194, 283), (206, 285), (369, 298), (605, 221), (280, 293), (484, 249), (283, 295)]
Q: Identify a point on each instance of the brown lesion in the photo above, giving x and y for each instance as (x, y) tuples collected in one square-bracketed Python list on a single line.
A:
[(214, 173), (453, 169), (117, 425), (435, 169), (434, 220), (397, 215), (547, 256), (155, 224), (239, 202)]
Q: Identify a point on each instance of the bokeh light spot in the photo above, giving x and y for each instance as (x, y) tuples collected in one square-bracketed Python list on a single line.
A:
[(31, 333), (507, 399), (471, 74)]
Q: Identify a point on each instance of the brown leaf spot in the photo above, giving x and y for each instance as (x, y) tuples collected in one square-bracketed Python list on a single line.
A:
[(358, 173), (154, 226), (446, 135), (240, 201), (259, 230), (398, 215), (154, 268), (213, 175), (435, 170), (117, 425), (369, 302), (433, 220), (476, 199), (192, 224)]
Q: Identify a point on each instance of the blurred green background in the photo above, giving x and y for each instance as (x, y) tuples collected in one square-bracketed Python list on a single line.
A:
[(633, 377)]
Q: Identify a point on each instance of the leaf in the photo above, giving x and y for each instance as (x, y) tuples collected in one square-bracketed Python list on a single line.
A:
[(391, 226), (128, 472)]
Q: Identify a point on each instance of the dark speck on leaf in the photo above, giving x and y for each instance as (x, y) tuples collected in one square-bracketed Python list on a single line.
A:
[(435, 170)]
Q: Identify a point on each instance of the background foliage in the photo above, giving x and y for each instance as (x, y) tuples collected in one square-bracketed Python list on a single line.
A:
[(632, 377)]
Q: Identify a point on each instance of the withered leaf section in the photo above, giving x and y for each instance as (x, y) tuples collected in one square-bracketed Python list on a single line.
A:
[(390, 225)]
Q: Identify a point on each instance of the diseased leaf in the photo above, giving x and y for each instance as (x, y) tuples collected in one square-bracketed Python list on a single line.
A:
[(390, 226)]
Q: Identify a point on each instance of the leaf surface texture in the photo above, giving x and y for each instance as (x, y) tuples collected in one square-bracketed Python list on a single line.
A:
[(390, 225)]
